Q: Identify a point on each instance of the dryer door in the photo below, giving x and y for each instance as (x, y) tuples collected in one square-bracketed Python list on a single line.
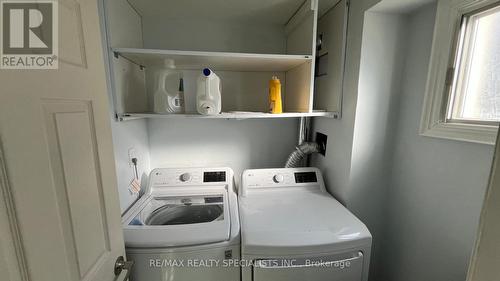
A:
[(346, 267)]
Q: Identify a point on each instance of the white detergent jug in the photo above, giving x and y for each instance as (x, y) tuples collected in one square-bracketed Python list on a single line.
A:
[(208, 95), (169, 94)]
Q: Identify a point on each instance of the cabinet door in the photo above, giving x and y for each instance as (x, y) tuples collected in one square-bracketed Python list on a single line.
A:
[(330, 58), (330, 268)]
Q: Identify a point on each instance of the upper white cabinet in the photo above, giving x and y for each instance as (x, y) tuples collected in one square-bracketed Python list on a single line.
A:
[(244, 42)]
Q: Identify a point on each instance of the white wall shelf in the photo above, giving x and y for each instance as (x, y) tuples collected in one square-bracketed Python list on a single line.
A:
[(220, 61), (229, 115), (282, 43)]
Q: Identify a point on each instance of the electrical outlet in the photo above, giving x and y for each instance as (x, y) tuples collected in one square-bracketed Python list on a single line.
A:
[(131, 154), (321, 140)]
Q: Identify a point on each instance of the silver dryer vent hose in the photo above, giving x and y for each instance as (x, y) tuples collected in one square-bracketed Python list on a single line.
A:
[(300, 152)]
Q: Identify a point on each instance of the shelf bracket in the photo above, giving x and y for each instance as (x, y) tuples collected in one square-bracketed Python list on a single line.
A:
[(122, 117), (117, 55)]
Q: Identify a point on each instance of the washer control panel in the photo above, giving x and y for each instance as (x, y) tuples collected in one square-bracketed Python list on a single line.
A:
[(190, 176)]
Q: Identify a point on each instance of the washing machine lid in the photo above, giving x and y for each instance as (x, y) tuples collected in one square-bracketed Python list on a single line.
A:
[(180, 217), (296, 221)]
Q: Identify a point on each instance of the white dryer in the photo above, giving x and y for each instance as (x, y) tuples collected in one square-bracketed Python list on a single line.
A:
[(184, 227), (293, 229)]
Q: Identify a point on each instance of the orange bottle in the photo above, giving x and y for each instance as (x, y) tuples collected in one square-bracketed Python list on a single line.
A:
[(275, 104)]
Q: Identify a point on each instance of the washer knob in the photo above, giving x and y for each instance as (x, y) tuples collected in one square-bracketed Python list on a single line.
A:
[(278, 178), (185, 177)]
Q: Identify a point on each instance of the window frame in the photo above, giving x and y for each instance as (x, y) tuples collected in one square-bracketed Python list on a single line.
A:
[(442, 76)]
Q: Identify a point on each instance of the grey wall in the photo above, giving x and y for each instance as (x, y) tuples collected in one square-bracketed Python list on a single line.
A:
[(437, 186), (421, 197)]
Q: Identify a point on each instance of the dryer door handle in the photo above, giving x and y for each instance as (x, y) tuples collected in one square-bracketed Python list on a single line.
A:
[(305, 263)]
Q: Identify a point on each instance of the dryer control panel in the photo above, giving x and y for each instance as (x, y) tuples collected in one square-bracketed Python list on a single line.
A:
[(281, 178)]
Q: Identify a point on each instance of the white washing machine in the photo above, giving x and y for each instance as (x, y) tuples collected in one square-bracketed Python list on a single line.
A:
[(292, 229), (184, 227)]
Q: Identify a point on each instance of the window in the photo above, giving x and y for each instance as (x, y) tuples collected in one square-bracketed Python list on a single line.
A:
[(475, 89), (463, 88)]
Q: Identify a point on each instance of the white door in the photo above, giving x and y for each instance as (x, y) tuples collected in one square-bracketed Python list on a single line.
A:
[(59, 212)]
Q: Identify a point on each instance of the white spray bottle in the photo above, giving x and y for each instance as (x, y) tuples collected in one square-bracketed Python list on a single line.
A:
[(208, 93)]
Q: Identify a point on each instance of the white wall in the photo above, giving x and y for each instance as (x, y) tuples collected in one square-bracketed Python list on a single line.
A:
[(126, 135), (382, 55), (124, 30), (239, 144), (438, 186), (421, 197), (213, 36)]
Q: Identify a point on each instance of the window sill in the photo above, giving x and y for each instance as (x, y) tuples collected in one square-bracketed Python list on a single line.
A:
[(462, 132)]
